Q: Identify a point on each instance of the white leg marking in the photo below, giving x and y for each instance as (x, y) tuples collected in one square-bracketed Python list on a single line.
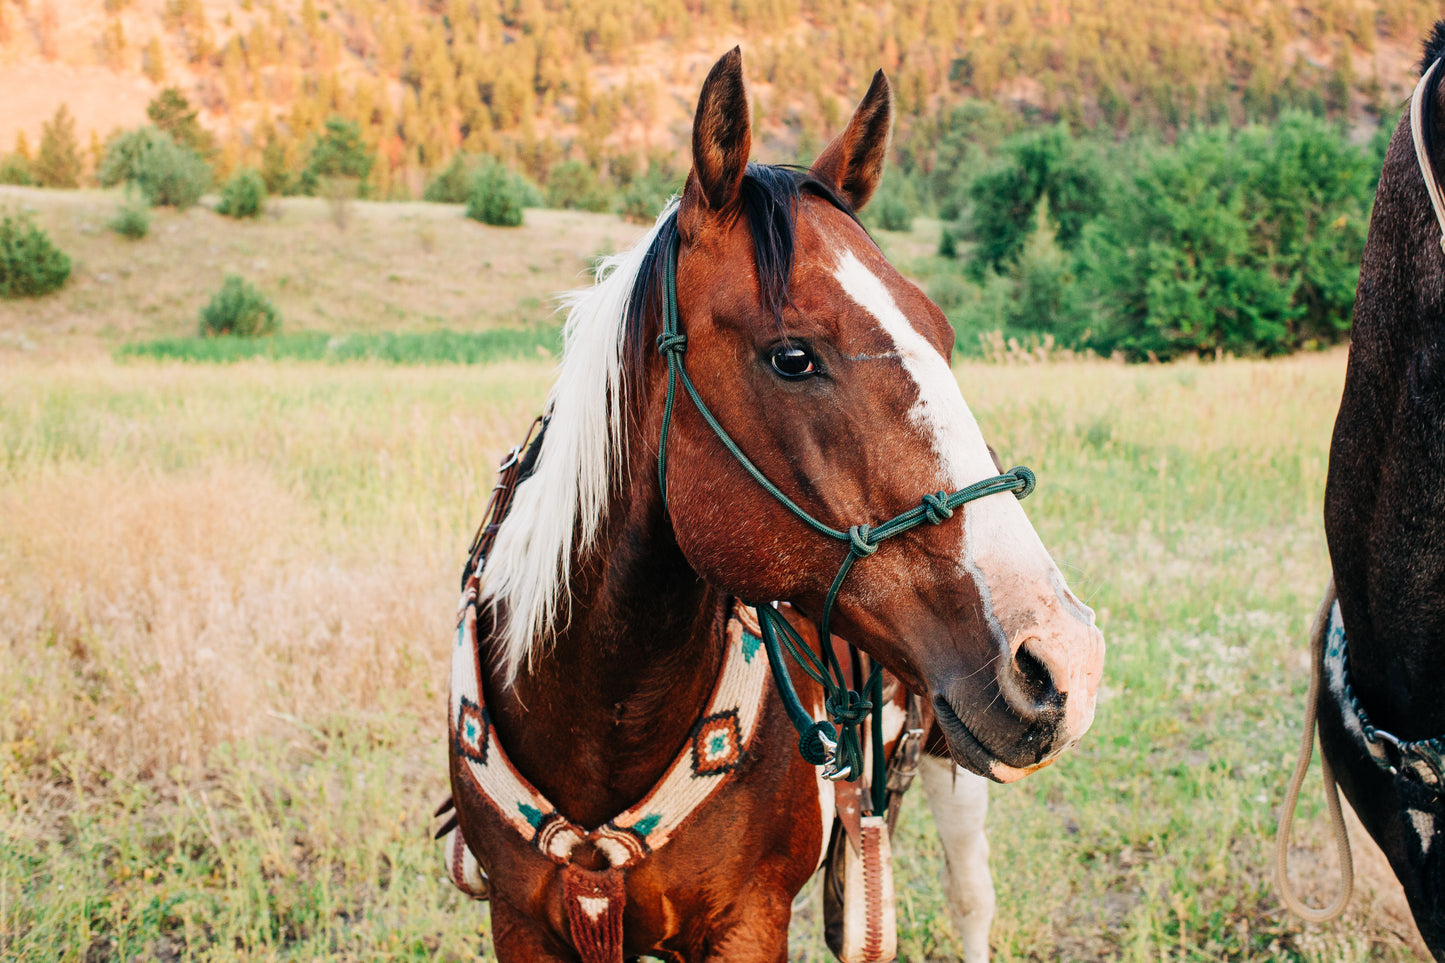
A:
[(959, 800)]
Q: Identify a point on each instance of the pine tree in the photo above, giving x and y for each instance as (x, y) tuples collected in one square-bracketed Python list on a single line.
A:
[(58, 163), (153, 61), (173, 113)]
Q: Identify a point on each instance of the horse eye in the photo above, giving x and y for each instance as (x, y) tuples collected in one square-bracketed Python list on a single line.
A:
[(790, 361)]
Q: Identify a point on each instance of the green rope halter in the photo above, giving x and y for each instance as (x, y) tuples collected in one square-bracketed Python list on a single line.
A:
[(837, 744)]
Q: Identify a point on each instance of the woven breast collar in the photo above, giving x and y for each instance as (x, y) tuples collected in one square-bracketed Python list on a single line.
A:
[(1424, 758), (718, 744)]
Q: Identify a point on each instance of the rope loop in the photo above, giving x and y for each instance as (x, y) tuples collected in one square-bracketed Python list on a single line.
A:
[(860, 541), (1026, 476), (935, 507), (671, 343), (847, 708)]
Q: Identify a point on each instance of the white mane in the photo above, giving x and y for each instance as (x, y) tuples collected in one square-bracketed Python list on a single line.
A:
[(561, 506)]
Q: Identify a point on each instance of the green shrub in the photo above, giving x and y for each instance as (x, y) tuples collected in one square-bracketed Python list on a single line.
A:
[(892, 214), (30, 265), (339, 152), (572, 184), (132, 219), (948, 243), (15, 169), (644, 197), (243, 194), (947, 290), (454, 184), (1033, 166), (894, 205), (239, 309), (1243, 241), (498, 196), (165, 173)]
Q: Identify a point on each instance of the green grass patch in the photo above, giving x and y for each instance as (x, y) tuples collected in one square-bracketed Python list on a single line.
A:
[(428, 347)]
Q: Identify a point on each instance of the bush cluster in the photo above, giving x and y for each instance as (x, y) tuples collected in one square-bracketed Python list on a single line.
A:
[(132, 219), (498, 195), (573, 184), (167, 174), (239, 309), (454, 184), (243, 194), (1239, 240), (30, 265)]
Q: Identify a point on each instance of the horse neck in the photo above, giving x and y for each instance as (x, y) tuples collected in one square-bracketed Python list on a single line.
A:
[(602, 713), (1386, 488)]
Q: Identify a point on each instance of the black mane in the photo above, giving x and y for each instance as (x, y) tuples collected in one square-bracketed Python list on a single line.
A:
[(1434, 46), (1434, 49), (770, 195)]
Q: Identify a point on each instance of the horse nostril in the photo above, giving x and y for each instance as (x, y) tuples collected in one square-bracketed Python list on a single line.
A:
[(1032, 684)]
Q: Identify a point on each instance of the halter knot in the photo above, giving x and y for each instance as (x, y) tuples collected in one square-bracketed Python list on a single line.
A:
[(671, 343), (859, 541), (1026, 476), (817, 743), (848, 708), (935, 507)]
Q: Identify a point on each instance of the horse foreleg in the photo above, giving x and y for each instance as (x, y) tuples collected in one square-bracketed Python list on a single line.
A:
[(959, 800), (517, 937), (759, 933)]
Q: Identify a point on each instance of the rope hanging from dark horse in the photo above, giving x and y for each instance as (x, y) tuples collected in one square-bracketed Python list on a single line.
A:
[(836, 744)]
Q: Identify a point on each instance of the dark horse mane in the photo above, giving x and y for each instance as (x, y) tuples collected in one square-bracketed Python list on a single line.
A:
[(1434, 49), (770, 196)]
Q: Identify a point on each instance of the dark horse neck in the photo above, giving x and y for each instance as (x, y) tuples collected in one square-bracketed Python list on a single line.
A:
[(598, 718), (1385, 500)]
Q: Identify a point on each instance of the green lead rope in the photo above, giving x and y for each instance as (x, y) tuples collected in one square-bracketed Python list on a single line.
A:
[(836, 744)]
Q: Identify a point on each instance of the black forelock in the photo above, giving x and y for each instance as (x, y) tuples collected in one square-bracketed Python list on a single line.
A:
[(769, 201), (1434, 46), (1434, 49)]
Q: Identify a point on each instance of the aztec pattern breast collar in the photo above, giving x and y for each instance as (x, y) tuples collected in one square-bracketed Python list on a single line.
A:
[(718, 744)]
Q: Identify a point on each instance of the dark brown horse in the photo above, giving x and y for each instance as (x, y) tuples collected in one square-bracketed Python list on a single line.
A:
[(601, 608), (1382, 652)]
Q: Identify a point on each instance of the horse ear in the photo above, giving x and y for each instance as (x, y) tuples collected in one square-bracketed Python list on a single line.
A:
[(854, 161), (721, 138)]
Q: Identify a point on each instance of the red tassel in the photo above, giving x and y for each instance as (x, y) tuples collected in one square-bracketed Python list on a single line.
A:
[(595, 901)]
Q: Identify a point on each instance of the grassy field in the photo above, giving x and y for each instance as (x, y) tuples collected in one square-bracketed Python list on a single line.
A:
[(225, 595)]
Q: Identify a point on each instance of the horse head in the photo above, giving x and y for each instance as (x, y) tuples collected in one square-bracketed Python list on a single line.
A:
[(831, 371)]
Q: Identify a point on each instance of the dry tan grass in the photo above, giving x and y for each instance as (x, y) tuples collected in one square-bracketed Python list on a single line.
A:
[(152, 617)]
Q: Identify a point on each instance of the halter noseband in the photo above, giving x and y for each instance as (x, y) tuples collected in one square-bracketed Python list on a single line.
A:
[(820, 743)]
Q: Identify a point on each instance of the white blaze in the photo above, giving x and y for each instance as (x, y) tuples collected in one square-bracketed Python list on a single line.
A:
[(995, 526)]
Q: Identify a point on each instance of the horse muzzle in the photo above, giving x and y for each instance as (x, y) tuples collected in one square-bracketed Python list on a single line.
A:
[(1029, 710)]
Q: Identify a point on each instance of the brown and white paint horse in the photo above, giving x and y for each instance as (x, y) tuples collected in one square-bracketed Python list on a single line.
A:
[(831, 370)]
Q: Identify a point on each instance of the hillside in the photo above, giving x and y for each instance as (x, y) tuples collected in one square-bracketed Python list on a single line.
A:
[(613, 83), (394, 267)]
